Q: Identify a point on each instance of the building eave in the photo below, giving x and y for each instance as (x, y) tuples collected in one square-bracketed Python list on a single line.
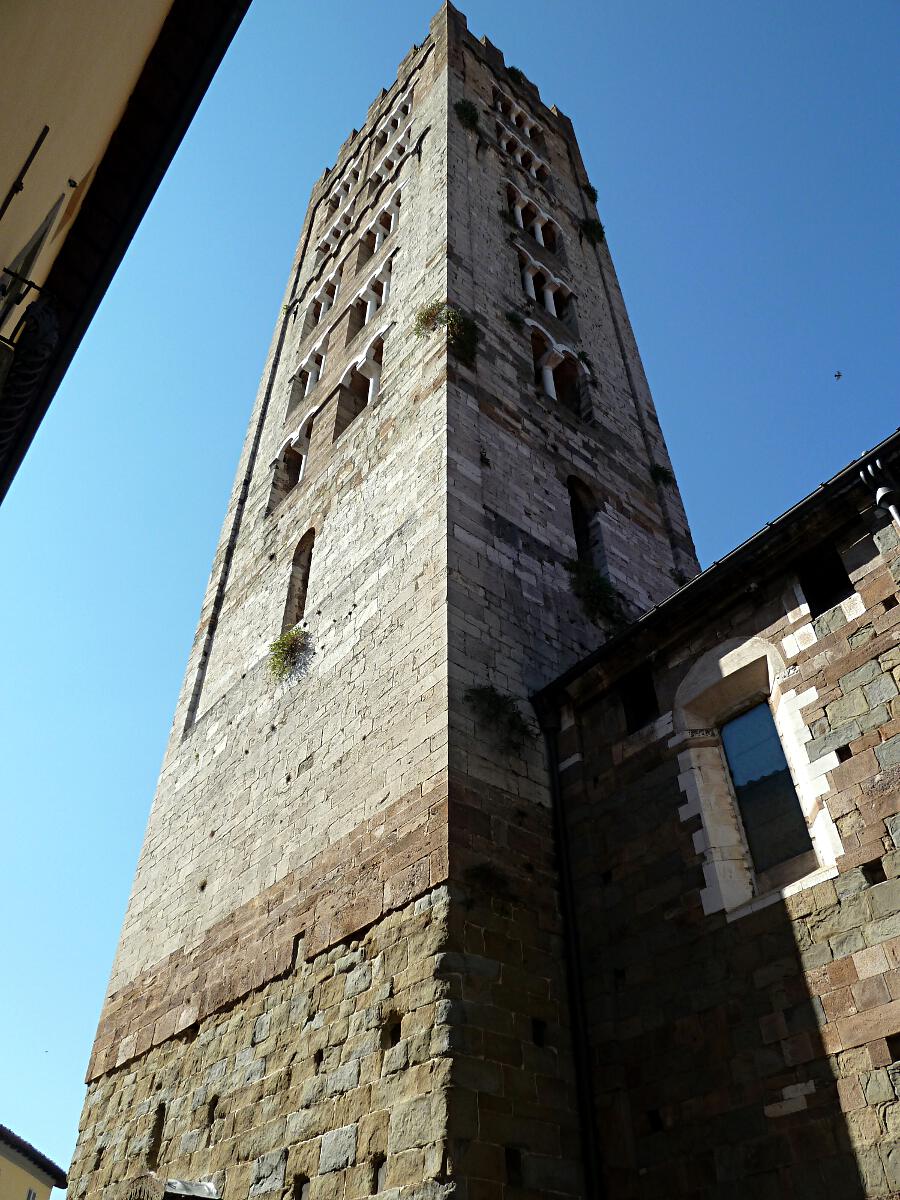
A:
[(55, 1175), (834, 505), (174, 79)]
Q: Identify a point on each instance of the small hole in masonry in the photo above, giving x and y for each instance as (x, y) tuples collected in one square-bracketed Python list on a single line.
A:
[(379, 1174), (202, 885), (539, 1031), (392, 1031), (843, 753), (317, 1060), (873, 872), (893, 1045), (890, 602), (655, 1121)]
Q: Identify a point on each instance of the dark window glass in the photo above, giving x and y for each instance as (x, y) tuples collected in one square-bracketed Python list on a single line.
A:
[(773, 820), (824, 580)]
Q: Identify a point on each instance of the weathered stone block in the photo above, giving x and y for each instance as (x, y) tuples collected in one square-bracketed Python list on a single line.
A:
[(268, 1173), (338, 1149)]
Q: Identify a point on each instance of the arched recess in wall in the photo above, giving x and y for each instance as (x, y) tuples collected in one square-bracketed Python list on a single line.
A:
[(586, 525), (298, 584)]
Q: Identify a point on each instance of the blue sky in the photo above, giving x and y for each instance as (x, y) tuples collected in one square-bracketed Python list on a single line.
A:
[(746, 159)]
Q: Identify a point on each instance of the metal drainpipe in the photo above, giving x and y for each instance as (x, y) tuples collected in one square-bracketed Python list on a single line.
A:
[(595, 1189)]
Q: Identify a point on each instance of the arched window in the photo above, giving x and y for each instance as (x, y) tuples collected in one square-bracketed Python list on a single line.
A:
[(289, 467), (567, 381), (557, 373), (298, 583), (586, 524)]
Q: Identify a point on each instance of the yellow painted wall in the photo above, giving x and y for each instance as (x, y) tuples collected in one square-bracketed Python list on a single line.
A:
[(71, 66), (16, 1178)]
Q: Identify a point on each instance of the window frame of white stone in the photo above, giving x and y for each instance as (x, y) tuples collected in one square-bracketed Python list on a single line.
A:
[(725, 682)]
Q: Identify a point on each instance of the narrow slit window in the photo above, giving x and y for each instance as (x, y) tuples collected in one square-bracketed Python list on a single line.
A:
[(299, 582), (767, 801)]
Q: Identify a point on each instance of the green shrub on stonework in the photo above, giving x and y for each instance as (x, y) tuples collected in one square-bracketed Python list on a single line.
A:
[(462, 332), (591, 192), (593, 230), (500, 714), (467, 113), (662, 475), (516, 75), (599, 599), (286, 652)]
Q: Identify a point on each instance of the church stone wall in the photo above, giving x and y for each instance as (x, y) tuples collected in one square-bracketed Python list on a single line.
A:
[(751, 1050)]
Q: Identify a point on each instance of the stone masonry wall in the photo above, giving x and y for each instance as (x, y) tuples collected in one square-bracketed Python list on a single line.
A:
[(259, 778), (754, 1053), (336, 1072)]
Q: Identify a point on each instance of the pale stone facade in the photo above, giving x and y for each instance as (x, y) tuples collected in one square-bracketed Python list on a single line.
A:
[(354, 847)]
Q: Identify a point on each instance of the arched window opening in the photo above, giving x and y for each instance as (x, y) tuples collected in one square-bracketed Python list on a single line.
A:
[(557, 373), (289, 467), (367, 246), (567, 381), (306, 378), (288, 473), (539, 348), (353, 397), (565, 308), (298, 584), (357, 320), (585, 512)]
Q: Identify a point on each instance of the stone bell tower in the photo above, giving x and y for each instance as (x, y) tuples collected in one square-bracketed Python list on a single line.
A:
[(343, 968)]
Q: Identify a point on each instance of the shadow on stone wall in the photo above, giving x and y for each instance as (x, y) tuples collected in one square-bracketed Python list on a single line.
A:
[(715, 1071)]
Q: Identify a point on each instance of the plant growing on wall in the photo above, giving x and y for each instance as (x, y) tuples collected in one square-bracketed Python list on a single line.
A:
[(516, 75), (286, 652), (593, 230), (467, 114), (462, 332), (499, 714), (662, 475), (591, 192), (599, 599)]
